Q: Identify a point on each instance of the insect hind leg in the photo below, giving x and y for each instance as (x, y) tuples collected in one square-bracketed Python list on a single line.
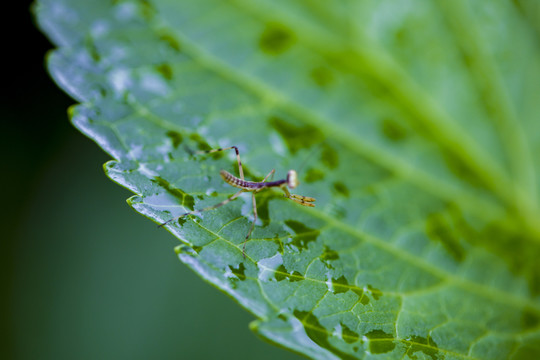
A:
[(252, 224), (224, 202), (240, 169)]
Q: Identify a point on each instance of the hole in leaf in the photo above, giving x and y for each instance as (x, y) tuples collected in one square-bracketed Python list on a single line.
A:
[(316, 332), (312, 175), (341, 189), (425, 345), (393, 130), (185, 199), (341, 285), (296, 137), (329, 157), (322, 76), (165, 70), (171, 42), (348, 335), (329, 254), (376, 293), (276, 39), (304, 235), (282, 274), (239, 272), (175, 137), (439, 229), (380, 342)]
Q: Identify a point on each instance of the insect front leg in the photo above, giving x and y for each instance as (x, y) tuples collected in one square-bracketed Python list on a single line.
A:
[(299, 199), (252, 224)]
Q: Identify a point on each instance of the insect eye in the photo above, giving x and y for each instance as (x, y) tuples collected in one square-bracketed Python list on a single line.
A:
[(292, 179)]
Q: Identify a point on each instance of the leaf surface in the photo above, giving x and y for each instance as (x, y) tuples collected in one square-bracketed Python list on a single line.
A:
[(414, 124)]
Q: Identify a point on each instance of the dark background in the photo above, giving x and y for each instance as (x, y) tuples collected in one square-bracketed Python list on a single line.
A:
[(84, 276)]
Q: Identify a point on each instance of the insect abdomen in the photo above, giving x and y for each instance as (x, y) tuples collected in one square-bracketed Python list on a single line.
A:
[(236, 182)]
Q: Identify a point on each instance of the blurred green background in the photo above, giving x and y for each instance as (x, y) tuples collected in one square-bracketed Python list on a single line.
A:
[(84, 276)]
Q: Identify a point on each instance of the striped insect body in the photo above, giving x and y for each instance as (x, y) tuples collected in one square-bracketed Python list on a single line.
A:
[(254, 187)]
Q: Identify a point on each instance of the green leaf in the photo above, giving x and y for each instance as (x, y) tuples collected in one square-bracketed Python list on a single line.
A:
[(414, 124)]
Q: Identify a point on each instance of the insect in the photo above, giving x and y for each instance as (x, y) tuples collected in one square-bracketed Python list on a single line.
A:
[(254, 187)]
